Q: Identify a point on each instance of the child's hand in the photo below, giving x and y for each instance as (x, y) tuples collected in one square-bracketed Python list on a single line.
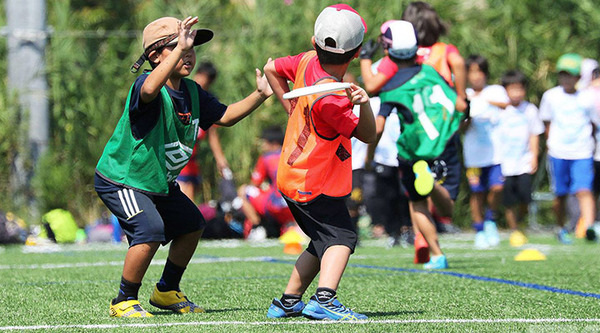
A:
[(262, 84), (357, 95), (186, 35)]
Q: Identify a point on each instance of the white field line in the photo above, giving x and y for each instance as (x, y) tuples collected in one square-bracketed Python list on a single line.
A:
[(288, 323), (155, 262), (489, 253)]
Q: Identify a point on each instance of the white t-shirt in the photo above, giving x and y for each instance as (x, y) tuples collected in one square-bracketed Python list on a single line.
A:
[(481, 146), (386, 152), (516, 126), (595, 91), (570, 117)]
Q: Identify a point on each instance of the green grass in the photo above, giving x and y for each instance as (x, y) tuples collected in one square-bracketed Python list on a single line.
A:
[(72, 285)]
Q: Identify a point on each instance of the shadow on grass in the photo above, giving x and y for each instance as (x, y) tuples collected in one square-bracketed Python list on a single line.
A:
[(171, 313), (392, 313)]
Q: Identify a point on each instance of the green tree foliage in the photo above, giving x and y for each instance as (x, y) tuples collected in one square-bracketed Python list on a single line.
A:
[(88, 70)]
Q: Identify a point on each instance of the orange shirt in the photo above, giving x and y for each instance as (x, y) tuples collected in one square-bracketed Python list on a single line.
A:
[(313, 161)]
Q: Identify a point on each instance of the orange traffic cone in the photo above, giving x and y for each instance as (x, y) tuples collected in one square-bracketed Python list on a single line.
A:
[(292, 241), (421, 249)]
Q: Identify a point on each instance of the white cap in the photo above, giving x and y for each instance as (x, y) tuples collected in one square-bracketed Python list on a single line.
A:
[(587, 67), (400, 39), (343, 25)]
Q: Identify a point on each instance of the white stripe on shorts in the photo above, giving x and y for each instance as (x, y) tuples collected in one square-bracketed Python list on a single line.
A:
[(125, 207)]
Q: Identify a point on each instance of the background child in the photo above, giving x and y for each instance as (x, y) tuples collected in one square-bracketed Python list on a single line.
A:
[(189, 177), (481, 150), (315, 169), (135, 176), (519, 127), (426, 126), (266, 212), (568, 114)]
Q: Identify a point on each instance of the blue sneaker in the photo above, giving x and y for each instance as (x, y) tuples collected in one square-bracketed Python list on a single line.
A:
[(278, 310), (564, 236), (333, 310), (436, 262), (491, 233)]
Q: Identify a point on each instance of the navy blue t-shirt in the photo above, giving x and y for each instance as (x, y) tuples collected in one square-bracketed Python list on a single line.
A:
[(144, 116)]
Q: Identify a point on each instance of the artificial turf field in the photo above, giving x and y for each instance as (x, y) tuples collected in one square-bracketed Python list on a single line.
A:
[(68, 288)]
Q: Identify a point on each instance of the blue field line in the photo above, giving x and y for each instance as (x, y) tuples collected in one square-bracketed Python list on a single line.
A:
[(465, 276)]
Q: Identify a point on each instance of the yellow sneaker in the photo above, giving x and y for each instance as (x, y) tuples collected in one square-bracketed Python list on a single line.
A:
[(517, 239), (129, 309), (424, 180), (173, 300)]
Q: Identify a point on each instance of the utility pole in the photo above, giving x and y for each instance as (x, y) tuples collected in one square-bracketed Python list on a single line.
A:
[(27, 35)]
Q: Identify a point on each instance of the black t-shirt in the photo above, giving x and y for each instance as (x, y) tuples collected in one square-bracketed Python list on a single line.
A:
[(143, 117)]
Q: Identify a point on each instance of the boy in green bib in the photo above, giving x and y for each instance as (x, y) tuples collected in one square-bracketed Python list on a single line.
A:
[(152, 142), (429, 114)]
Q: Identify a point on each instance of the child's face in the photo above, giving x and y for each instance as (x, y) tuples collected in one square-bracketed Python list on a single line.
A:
[(516, 93), (185, 65), (567, 81), (476, 77)]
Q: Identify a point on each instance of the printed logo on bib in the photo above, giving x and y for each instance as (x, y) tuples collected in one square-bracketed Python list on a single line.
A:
[(177, 155)]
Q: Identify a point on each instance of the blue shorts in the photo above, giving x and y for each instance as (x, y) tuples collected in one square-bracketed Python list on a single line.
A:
[(570, 176), (482, 179), (147, 218)]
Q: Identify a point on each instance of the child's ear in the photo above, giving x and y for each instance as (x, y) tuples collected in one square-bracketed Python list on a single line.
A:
[(313, 42), (153, 56)]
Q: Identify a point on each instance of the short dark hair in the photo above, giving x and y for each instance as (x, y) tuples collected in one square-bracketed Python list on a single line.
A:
[(330, 58), (273, 134), (207, 68), (596, 73), (426, 22), (409, 61), (480, 61), (512, 77)]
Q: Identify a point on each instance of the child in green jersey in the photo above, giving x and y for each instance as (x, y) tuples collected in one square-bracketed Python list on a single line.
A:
[(152, 142)]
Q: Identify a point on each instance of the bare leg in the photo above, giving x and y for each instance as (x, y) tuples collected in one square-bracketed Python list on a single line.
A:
[(137, 260), (495, 197), (333, 264), (587, 207), (183, 247), (476, 203), (305, 270), (559, 209), (442, 201), (511, 217), (422, 219)]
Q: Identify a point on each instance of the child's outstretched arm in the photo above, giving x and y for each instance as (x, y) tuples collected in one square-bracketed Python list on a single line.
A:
[(373, 82), (279, 84), (237, 111), (159, 76), (365, 130)]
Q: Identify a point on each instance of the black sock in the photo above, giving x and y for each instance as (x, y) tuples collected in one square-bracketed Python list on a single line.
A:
[(324, 295), (127, 291), (289, 300), (171, 277)]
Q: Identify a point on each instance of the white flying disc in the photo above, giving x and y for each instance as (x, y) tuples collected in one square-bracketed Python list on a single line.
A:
[(316, 89)]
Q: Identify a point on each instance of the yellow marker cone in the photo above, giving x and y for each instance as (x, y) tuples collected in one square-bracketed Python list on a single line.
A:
[(530, 255), (292, 240)]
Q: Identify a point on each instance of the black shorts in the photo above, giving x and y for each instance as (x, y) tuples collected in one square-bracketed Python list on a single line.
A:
[(517, 190), (596, 184), (387, 205), (149, 218), (447, 167), (327, 222)]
